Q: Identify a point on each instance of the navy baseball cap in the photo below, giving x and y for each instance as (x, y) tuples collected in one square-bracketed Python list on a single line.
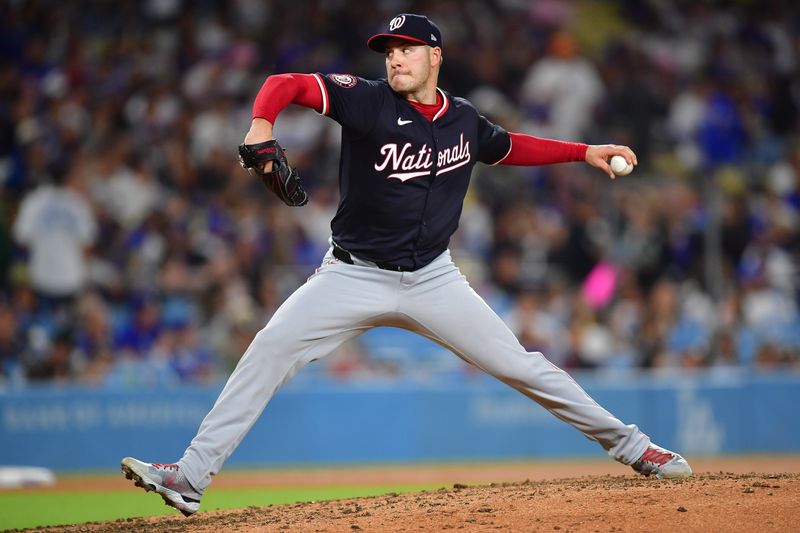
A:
[(410, 27)]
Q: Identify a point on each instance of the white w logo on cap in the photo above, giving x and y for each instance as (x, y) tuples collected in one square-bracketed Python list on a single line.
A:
[(397, 22)]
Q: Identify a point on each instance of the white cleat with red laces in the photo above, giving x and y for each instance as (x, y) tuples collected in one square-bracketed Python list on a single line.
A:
[(662, 463), (167, 480)]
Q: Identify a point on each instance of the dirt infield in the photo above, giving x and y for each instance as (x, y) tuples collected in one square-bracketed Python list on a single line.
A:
[(745, 494), (708, 502)]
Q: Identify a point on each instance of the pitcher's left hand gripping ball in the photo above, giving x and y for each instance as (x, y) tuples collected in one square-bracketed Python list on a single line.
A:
[(282, 180)]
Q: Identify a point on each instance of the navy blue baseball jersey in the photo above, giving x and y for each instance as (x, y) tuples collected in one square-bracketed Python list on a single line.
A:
[(403, 178)]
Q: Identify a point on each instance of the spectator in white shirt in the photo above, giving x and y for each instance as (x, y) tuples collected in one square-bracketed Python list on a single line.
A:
[(58, 227)]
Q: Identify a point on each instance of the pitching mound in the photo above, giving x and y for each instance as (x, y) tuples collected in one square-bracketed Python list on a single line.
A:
[(705, 502)]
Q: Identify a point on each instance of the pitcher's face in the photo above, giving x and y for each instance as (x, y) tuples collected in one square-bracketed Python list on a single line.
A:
[(409, 66)]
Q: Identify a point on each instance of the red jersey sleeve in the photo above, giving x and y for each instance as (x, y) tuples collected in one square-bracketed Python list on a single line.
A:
[(527, 150), (280, 90)]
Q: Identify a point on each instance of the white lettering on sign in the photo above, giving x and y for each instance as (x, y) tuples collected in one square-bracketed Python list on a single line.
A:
[(87, 415), (502, 411)]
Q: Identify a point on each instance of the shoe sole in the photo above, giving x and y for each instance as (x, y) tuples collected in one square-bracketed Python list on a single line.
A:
[(149, 486), (675, 475), (682, 474)]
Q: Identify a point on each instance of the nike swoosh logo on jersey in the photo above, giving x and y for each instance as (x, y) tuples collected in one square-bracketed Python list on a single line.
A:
[(401, 122)]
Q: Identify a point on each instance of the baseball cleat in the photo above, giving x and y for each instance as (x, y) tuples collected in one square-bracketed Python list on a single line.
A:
[(165, 479), (662, 463)]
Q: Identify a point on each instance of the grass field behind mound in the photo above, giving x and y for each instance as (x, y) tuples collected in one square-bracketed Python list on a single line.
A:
[(32, 508)]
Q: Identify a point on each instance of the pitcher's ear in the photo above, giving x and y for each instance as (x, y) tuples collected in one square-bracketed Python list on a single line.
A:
[(437, 53)]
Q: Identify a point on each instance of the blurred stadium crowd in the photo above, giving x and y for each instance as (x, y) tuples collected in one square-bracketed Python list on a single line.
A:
[(134, 250)]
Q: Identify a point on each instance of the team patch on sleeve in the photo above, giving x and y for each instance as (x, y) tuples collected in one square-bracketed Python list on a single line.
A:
[(343, 80)]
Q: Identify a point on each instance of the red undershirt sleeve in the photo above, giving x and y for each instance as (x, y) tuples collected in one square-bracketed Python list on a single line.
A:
[(280, 90), (527, 150)]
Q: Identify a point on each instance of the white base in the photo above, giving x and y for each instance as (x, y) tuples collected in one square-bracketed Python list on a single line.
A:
[(14, 477)]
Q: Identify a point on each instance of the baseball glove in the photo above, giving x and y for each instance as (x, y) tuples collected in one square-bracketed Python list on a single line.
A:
[(282, 179)]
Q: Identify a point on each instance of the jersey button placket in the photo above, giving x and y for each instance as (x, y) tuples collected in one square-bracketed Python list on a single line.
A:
[(423, 223)]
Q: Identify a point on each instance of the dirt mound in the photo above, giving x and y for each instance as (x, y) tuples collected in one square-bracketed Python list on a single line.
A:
[(705, 502)]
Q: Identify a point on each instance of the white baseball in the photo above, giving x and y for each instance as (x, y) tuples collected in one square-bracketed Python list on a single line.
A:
[(620, 166)]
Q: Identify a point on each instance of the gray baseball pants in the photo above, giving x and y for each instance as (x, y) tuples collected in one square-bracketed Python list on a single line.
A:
[(341, 301)]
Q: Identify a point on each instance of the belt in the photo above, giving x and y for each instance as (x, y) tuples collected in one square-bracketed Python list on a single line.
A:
[(344, 256)]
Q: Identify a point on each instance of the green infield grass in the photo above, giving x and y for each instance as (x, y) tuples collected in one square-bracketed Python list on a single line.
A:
[(31, 508)]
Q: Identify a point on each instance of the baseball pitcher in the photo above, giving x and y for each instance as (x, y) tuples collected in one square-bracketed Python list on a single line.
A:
[(408, 149)]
